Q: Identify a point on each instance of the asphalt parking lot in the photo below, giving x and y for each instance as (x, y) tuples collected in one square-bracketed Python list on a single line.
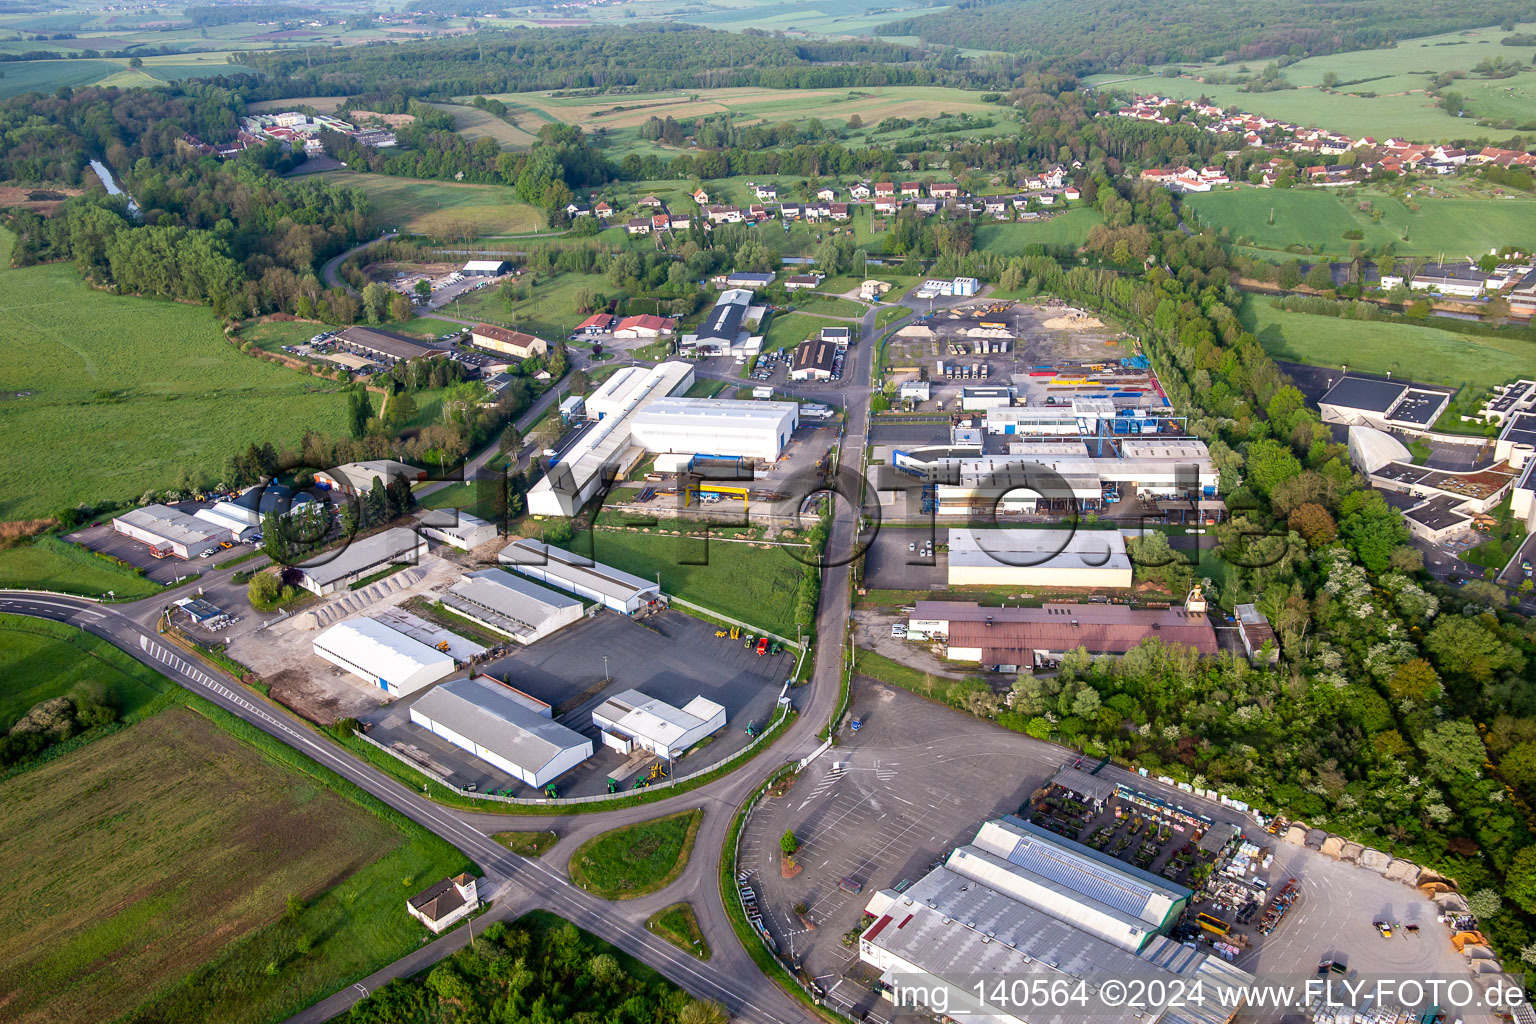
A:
[(107, 541), (919, 780), (671, 656), (890, 565)]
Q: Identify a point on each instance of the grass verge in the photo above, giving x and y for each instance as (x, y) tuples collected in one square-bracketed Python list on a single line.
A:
[(527, 844), (679, 925), (638, 859)]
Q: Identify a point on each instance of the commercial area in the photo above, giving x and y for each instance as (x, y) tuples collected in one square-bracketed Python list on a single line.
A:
[(1038, 558), (612, 588), (357, 478), (504, 727), (382, 656), (632, 719), (513, 607), (362, 557), (170, 532), (1383, 404), (511, 343), (1022, 638)]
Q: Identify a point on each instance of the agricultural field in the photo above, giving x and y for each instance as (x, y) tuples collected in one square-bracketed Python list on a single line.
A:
[(441, 207), (1399, 76), (142, 389), (1422, 353), (40, 659), (48, 75), (474, 123), (1424, 224), (747, 582), (812, 17), (1069, 228), (209, 879), (323, 104)]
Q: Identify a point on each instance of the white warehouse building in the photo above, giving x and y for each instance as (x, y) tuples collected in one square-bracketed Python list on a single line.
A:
[(510, 605), (503, 727), (170, 531), (383, 657), (713, 426), (1038, 558), (633, 719), (612, 588)]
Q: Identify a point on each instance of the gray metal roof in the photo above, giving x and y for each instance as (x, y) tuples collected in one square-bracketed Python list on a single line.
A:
[(487, 713), (559, 564), (396, 544)]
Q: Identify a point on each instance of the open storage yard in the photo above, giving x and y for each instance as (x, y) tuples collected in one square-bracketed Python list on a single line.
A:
[(202, 879), (143, 389)]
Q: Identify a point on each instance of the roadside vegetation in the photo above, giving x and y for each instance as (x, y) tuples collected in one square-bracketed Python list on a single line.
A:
[(636, 860), (527, 844), (679, 925)]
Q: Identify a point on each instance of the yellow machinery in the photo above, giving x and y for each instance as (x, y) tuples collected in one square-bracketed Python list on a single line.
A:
[(1214, 925), (1461, 939), (693, 490)]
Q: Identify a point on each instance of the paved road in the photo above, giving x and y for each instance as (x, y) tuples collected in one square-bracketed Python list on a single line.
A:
[(516, 884)]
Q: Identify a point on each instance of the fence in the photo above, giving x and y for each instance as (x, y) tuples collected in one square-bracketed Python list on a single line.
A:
[(674, 599), (767, 736)]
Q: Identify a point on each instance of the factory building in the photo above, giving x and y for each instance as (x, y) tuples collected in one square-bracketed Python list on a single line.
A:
[(383, 347), (485, 268), (1383, 404), (1022, 903), (512, 606), (1012, 639), (610, 587), (1038, 558), (381, 656), (715, 426), (242, 515), (606, 451), (633, 719), (503, 727), (170, 532), (362, 557), (814, 360), (512, 343), (722, 330), (356, 478), (456, 528)]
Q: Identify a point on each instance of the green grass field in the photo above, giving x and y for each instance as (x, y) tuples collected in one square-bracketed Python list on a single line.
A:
[(636, 860), (48, 75), (441, 207), (786, 330), (49, 563), (210, 879), (474, 123), (527, 844), (679, 925), (756, 585), (1420, 353), (1068, 228), (1454, 226), (127, 393), (1399, 76), (550, 312), (40, 658), (828, 305)]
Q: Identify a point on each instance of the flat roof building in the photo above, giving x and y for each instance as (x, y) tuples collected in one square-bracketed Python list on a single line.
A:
[(1383, 404), (362, 557), (716, 426), (382, 656), (510, 605), (610, 587), (1038, 558), (382, 346), (634, 719), (503, 727), (171, 532), (1034, 637), (485, 268)]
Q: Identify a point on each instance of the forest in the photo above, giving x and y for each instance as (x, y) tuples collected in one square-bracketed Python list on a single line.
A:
[(1109, 35), (637, 58), (538, 970)]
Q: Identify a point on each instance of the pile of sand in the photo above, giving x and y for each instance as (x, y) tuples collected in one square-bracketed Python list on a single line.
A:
[(1076, 322)]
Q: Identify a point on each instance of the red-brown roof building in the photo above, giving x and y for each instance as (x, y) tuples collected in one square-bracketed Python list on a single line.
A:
[(1037, 636)]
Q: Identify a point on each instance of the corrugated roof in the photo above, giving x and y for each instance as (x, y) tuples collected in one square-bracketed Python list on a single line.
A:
[(172, 524), (479, 710), (393, 545), (1057, 549), (640, 714), (379, 650), (560, 564), (1097, 628)]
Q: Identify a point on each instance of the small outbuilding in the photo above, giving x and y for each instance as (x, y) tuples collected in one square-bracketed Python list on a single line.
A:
[(445, 904)]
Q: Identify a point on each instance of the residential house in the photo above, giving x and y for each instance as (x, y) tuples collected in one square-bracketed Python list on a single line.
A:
[(723, 214), (603, 211), (826, 194), (790, 211), (578, 210), (638, 226), (767, 191), (884, 190), (944, 190), (858, 191), (660, 222), (802, 282), (911, 189), (757, 213), (650, 203), (838, 211), (679, 221), (995, 207), (887, 205), (927, 205), (818, 211), (700, 196), (1071, 194), (445, 903)]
